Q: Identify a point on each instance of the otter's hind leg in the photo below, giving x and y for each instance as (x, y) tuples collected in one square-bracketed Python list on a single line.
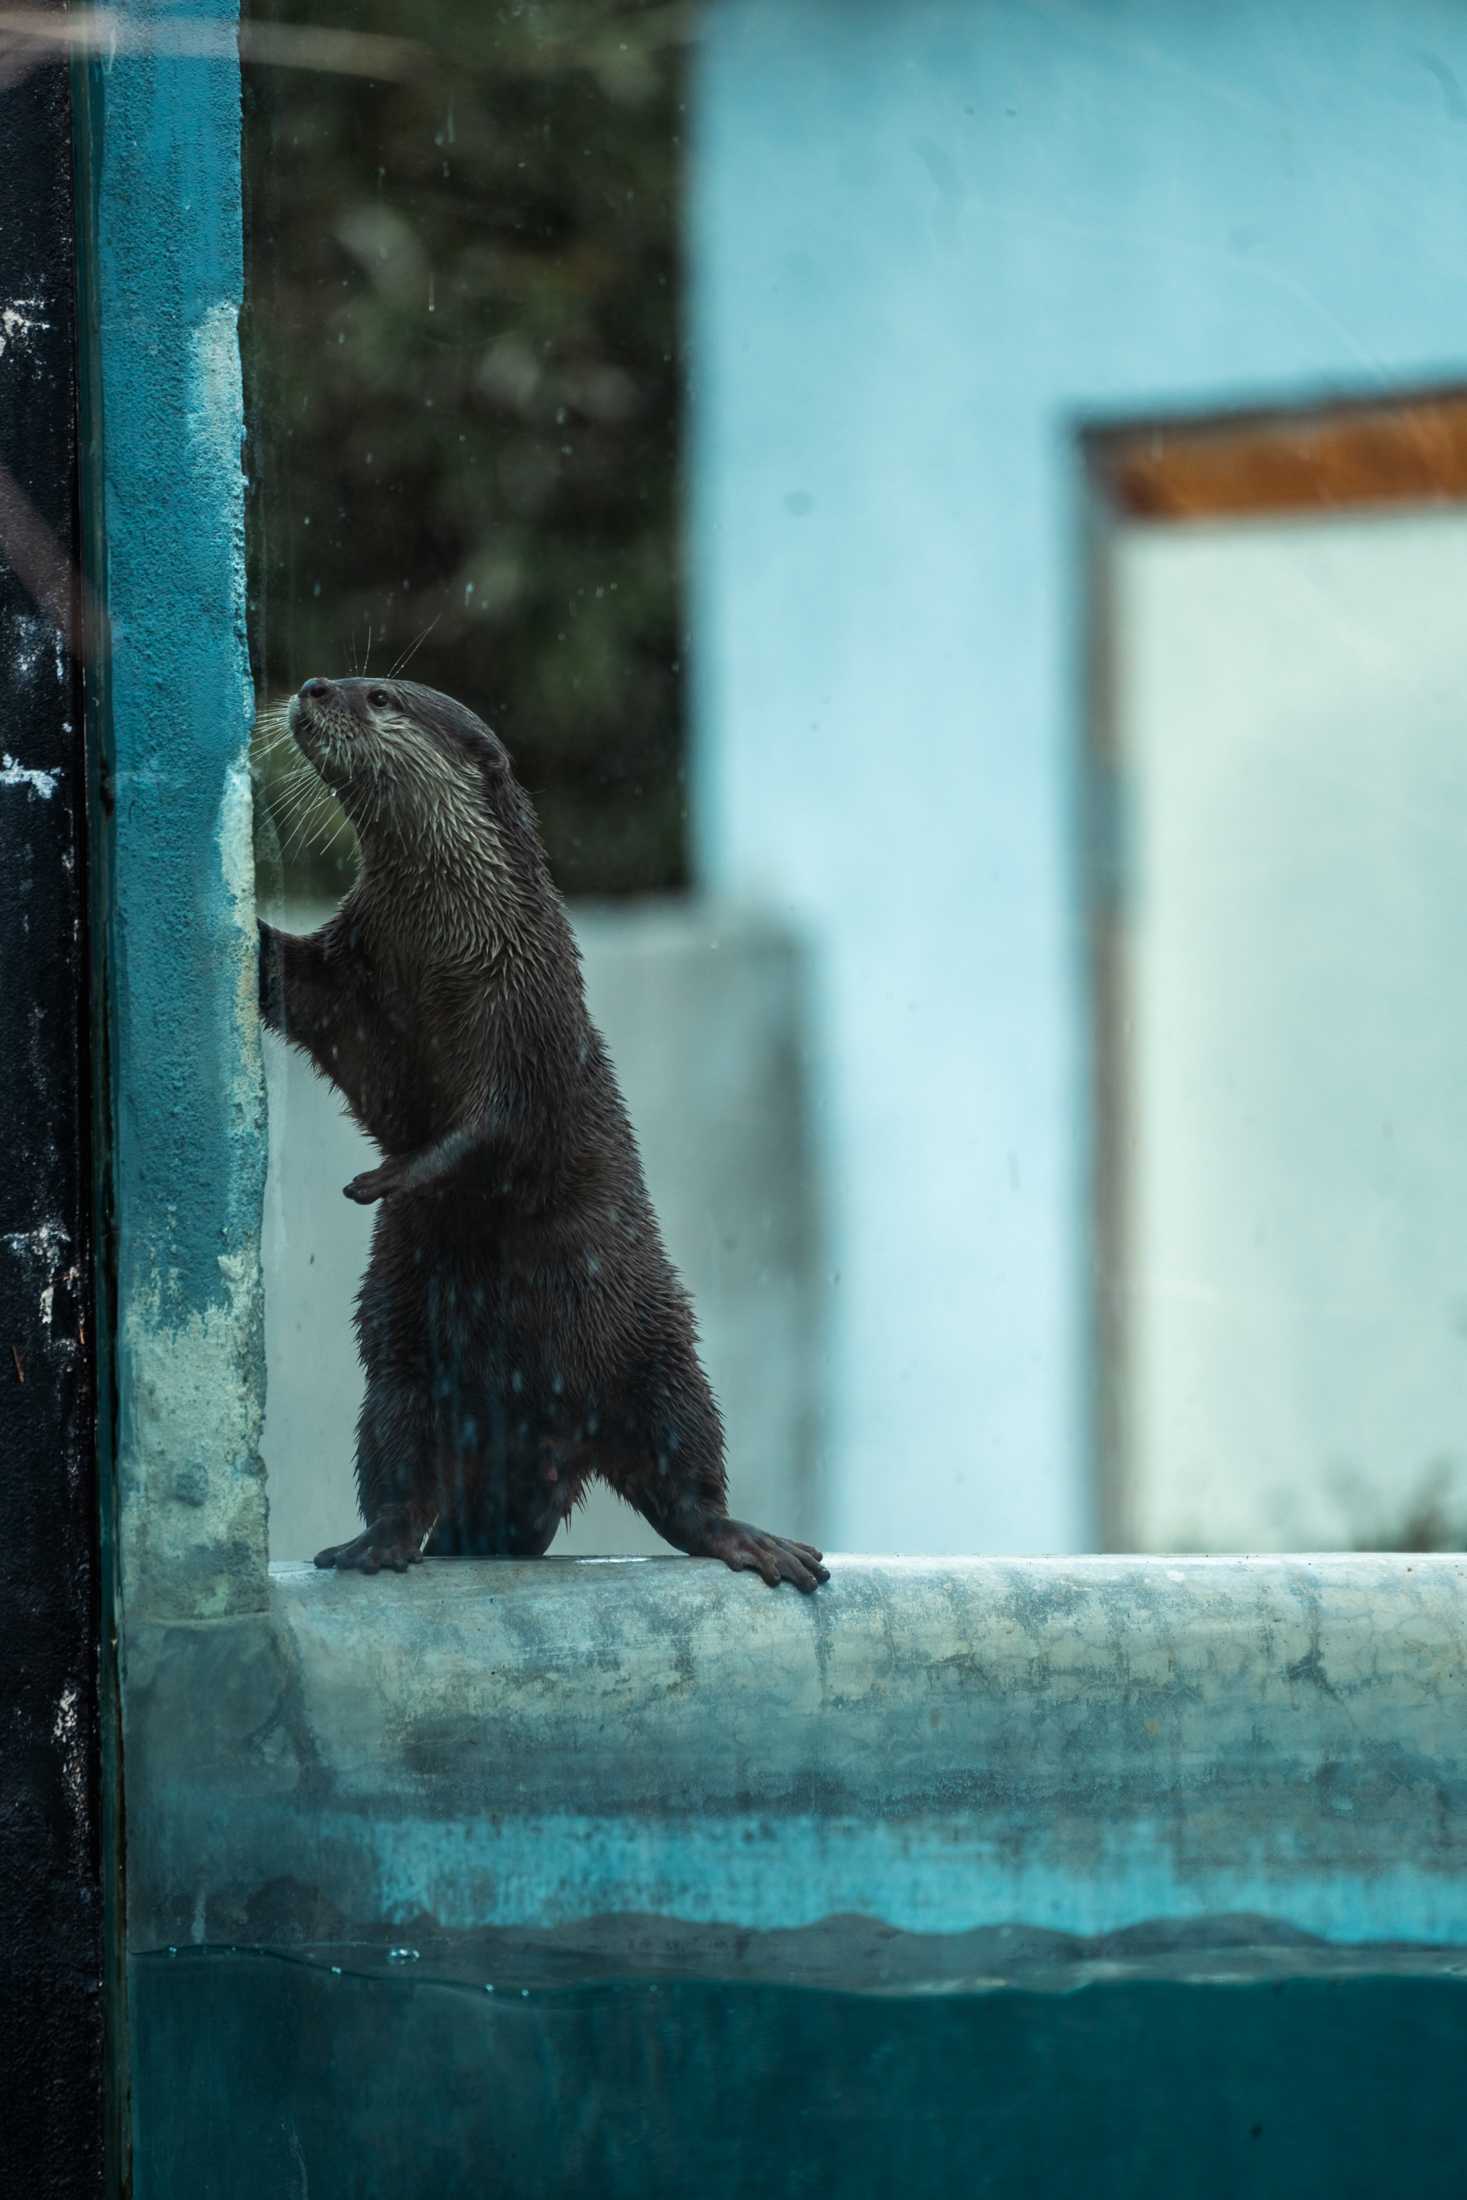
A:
[(394, 1481), (396, 1485), (667, 1462)]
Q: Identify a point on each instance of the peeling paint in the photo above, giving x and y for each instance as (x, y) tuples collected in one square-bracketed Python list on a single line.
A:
[(15, 775), (30, 639), (66, 1732), (47, 1242), (20, 321), (47, 1250), (191, 1479)]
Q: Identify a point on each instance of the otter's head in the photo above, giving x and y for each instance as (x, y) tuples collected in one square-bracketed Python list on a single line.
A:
[(417, 773)]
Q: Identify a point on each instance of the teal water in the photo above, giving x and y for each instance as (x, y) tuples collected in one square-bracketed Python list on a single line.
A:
[(262, 2077)]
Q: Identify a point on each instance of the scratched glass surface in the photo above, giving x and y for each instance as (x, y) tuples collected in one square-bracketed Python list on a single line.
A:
[(956, 517)]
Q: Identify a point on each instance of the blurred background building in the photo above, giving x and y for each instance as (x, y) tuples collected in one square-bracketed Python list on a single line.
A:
[(958, 511)]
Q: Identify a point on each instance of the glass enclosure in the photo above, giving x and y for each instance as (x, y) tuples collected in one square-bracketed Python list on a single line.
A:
[(1020, 902), (847, 624)]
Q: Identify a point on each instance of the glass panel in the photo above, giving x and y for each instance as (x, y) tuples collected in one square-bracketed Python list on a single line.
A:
[(704, 400), (466, 352), (954, 518)]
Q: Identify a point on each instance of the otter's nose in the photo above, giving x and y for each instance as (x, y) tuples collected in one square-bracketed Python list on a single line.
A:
[(315, 691)]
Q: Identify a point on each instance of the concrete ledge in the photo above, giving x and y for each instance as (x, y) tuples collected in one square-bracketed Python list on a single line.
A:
[(1081, 1746)]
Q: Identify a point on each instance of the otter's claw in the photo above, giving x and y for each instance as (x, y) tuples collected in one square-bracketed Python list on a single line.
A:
[(374, 1184)]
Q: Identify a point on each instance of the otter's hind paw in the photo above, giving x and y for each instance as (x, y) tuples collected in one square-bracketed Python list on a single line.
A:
[(775, 1558)]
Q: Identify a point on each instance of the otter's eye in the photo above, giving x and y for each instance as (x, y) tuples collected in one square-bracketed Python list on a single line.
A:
[(378, 698)]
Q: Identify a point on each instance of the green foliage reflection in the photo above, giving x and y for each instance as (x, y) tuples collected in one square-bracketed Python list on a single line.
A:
[(463, 357)]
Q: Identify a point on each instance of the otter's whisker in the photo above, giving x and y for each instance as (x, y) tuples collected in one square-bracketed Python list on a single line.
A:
[(304, 787), (289, 844), (343, 827), (412, 650), (287, 808), (324, 821), (303, 825), (300, 814)]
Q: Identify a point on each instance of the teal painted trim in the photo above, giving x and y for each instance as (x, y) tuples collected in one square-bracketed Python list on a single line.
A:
[(772, 1871), (171, 711)]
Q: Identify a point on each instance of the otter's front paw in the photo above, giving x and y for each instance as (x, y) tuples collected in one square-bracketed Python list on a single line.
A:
[(393, 1541), (374, 1184)]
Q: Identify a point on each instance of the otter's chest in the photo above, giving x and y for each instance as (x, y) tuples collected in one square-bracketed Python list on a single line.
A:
[(423, 1048)]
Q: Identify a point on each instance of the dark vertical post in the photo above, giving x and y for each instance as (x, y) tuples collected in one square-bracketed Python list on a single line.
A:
[(51, 1999)]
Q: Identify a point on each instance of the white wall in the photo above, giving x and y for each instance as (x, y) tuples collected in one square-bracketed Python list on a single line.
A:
[(927, 238)]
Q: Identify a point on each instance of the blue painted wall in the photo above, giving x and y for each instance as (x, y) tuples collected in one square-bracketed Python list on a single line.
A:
[(165, 496), (926, 239)]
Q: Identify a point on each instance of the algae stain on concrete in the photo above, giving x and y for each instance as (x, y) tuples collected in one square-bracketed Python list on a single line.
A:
[(192, 1476), (192, 1481)]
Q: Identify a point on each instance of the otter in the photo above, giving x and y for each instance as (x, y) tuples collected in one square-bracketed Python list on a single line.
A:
[(520, 1324)]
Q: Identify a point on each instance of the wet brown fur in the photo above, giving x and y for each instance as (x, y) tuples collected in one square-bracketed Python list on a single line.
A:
[(520, 1324)]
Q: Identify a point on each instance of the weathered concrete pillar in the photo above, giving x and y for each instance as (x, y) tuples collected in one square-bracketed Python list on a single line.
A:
[(172, 717)]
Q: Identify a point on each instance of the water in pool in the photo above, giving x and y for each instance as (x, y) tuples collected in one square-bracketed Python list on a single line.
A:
[(347, 2072)]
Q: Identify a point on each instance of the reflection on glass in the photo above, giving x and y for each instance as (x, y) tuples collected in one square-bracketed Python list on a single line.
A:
[(953, 518), (959, 516)]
